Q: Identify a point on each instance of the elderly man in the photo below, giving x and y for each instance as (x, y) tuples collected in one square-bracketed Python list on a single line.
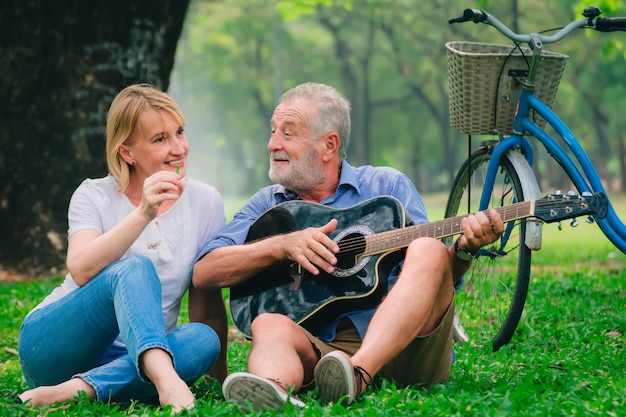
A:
[(405, 336)]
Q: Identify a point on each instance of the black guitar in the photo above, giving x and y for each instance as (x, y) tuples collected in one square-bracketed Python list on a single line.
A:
[(372, 237)]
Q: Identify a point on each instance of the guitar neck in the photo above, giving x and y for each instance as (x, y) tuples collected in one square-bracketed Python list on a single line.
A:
[(401, 238)]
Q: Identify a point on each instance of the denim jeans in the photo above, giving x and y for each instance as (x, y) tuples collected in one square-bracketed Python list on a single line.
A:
[(73, 336)]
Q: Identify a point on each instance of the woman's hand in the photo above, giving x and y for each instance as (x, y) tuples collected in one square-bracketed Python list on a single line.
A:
[(158, 188)]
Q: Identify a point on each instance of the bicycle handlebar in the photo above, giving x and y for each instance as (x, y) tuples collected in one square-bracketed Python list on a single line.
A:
[(611, 24), (602, 24)]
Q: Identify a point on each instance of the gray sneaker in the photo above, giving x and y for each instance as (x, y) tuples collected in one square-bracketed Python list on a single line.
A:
[(338, 380), (253, 392)]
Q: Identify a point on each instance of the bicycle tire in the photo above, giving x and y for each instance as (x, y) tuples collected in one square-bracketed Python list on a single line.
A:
[(491, 300)]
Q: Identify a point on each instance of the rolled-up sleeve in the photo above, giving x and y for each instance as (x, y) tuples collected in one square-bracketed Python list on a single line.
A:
[(236, 231)]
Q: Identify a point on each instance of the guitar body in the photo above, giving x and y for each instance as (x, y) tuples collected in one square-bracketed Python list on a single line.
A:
[(358, 282)]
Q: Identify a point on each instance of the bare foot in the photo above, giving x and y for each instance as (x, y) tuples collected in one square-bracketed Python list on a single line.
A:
[(158, 367), (62, 392), (179, 396)]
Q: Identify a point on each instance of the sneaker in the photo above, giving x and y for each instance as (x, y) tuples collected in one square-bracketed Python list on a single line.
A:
[(253, 392), (338, 380)]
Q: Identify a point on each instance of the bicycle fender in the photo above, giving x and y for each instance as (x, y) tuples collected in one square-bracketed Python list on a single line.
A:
[(531, 191)]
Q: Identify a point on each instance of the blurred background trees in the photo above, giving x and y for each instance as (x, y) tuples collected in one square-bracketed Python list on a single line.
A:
[(388, 57), (63, 63)]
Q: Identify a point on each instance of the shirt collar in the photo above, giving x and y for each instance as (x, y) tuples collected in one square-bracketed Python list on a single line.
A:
[(348, 177)]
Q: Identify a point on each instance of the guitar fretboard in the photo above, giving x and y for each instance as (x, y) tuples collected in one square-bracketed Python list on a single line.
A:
[(401, 238)]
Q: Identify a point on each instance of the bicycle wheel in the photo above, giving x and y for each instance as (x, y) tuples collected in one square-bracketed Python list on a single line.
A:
[(490, 302)]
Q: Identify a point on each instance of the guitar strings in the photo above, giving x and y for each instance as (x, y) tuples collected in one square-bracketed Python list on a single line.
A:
[(408, 234)]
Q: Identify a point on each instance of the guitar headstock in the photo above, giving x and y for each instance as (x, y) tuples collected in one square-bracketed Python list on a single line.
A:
[(555, 207)]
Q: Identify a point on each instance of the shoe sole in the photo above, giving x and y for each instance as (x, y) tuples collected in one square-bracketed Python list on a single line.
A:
[(334, 378), (252, 392)]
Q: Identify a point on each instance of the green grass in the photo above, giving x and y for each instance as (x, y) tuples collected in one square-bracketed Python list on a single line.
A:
[(567, 357)]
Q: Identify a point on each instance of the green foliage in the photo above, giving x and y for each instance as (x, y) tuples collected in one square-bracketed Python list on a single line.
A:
[(291, 10), (235, 58)]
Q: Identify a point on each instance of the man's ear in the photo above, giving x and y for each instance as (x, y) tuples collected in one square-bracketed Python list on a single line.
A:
[(331, 145)]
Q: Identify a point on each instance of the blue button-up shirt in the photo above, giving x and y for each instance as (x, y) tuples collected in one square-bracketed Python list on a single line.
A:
[(355, 185)]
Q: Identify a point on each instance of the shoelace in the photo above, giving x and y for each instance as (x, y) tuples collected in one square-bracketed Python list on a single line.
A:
[(359, 375)]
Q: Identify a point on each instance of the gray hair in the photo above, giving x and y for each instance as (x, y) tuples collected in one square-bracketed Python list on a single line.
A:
[(333, 111)]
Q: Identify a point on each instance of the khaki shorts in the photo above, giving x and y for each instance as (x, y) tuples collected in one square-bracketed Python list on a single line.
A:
[(425, 361)]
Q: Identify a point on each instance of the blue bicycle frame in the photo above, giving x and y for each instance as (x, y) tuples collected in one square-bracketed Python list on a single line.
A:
[(611, 225)]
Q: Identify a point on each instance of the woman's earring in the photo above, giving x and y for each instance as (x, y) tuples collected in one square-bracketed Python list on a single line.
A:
[(132, 163)]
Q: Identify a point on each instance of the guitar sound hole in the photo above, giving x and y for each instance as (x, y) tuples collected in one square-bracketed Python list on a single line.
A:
[(350, 247), (351, 242)]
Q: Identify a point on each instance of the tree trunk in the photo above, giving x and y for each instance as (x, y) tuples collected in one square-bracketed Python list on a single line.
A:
[(62, 64)]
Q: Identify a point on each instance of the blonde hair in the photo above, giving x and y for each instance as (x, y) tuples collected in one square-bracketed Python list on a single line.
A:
[(122, 118)]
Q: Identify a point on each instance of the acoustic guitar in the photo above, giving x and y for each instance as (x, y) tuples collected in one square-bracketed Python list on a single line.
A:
[(372, 237)]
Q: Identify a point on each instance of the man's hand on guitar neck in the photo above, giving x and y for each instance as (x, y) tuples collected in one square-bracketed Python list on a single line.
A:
[(479, 230)]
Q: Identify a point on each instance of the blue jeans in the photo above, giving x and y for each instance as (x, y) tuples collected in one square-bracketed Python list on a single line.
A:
[(73, 337)]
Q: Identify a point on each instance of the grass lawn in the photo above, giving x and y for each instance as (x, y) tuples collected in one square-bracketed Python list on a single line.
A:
[(567, 357)]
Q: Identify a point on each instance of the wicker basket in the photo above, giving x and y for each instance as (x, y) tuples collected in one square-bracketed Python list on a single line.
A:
[(484, 87)]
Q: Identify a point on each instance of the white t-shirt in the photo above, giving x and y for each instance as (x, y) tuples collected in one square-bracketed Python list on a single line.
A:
[(172, 240)]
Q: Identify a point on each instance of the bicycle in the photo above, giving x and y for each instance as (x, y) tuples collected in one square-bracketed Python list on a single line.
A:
[(499, 173)]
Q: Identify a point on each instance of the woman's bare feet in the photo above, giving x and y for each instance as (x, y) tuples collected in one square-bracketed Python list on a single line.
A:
[(156, 364), (62, 392), (179, 397), (158, 367)]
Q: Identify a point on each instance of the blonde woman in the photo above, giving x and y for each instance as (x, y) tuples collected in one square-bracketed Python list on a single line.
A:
[(110, 330)]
